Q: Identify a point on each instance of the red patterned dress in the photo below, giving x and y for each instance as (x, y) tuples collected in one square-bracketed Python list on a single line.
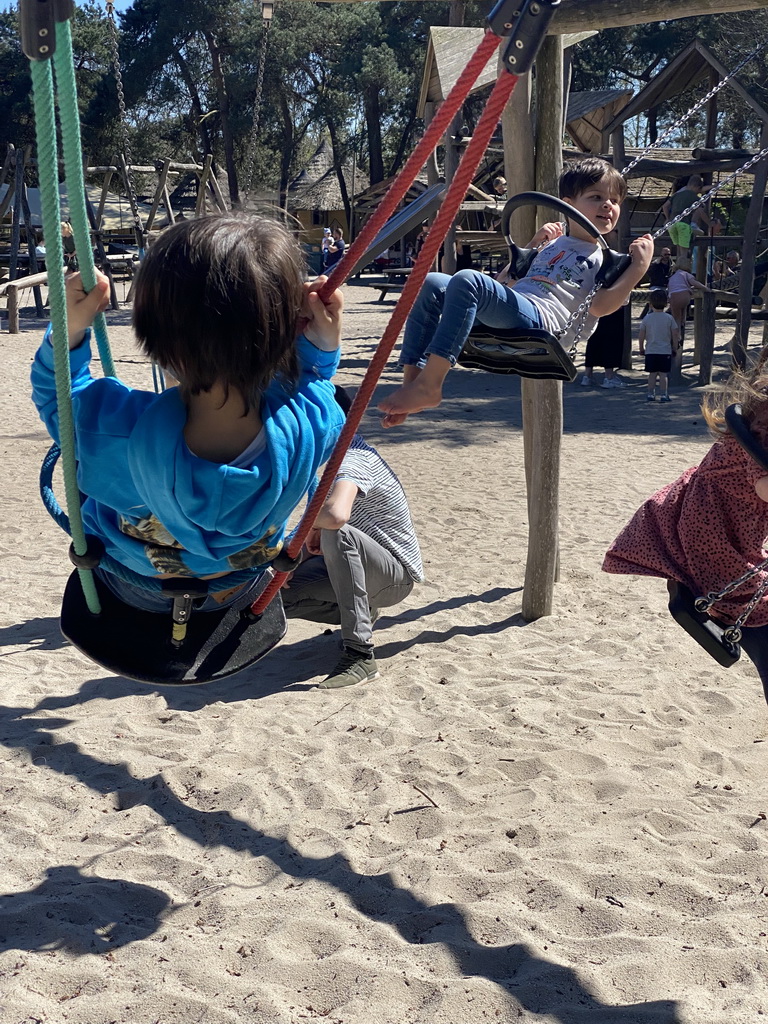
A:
[(705, 530)]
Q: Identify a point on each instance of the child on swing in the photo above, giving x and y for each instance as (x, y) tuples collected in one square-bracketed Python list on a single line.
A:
[(199, 481), (559, 279), (709, 527)]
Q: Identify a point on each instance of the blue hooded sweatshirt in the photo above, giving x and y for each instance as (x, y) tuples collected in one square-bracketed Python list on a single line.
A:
[(159, 508)]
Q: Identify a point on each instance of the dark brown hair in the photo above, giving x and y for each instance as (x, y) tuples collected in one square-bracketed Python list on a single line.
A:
[(218, 300), (579, 175), (658, 298)]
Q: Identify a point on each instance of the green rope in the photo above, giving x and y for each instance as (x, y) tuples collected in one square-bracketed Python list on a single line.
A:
[(45, 127), (66, 88)]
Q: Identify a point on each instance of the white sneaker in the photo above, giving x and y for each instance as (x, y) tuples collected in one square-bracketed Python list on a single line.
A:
[(586, 381), (608, 382)]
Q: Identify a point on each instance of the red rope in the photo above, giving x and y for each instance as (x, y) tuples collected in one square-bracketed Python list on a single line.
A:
[(454, 197), (437, 128)]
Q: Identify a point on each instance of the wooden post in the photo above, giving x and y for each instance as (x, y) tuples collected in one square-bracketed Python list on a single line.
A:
[(202, 186), (749, 249), (33, 267), (624, 238), (702, 253), (8, 163), (706, 336), (519, 169), (162, 177), (13, 260), (544, 398)]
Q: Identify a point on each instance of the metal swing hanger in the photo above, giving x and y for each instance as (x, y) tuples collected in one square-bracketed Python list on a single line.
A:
[(692, 110)]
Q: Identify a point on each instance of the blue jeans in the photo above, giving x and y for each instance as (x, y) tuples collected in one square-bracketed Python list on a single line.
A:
[(443, 314), (157, 601)]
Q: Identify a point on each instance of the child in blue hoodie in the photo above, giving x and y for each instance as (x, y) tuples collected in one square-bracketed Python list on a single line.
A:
[(200, 481)]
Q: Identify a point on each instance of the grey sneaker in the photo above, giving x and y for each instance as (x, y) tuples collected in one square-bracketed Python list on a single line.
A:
[(352, 668)]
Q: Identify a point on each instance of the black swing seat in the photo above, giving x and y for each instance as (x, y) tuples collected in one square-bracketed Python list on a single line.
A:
[(532, 353), (138, 644), (704, 630)]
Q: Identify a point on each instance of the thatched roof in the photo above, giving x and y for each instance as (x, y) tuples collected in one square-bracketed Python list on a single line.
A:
[(316, 186)]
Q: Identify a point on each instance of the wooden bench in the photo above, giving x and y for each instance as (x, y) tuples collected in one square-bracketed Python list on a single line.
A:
[(12, 288), (386, 288), (394, 282)]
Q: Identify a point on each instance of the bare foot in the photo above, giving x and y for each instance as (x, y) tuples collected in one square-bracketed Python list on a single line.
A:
[(394, 419), (413, 396)]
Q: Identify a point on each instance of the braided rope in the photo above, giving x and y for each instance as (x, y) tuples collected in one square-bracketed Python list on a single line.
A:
[(45, 128), (437, 128), (73, 171), (454, 197)]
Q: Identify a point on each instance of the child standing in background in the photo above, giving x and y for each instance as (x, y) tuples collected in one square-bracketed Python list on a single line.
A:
[(659, 338)]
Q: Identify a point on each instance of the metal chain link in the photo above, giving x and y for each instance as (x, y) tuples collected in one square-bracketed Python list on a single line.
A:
[(251, 165), (715, 188), (692, 110), (703, 604), (122, 125), (580, 313)]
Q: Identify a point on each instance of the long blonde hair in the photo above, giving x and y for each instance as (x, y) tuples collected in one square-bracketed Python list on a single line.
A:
[(747, 388)]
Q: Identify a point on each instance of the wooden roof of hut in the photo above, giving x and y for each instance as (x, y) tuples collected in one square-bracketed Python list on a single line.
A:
[(316, 186), (589, 112), (688, 68), (448, 51)]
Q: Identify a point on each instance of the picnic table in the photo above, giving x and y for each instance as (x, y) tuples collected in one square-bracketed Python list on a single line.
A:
[(393, 282)]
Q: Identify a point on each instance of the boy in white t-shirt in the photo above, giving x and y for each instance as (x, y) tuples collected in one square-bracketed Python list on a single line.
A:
[(559, 279), (659, 338)]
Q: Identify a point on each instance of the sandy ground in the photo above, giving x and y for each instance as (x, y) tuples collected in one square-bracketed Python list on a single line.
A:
[(556, 822)]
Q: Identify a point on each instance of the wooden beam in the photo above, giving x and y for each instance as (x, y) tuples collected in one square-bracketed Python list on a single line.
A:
[(584, 15), (580, 15)]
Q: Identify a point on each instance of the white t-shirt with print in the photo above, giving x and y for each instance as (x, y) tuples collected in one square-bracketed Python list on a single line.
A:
[(658, 333), (560, 278)]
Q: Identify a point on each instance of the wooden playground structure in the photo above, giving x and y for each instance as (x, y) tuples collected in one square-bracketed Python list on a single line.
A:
[(116, 245)]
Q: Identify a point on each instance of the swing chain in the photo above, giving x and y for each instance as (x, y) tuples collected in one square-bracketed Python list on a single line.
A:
[(692, 110), (123, 130), (251, 166), (713, 191), (703, 604), (580, 314)]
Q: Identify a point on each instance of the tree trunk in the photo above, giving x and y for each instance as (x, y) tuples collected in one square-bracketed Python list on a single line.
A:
[(338, 163), (222, 98), (196, 111), (288, 146), (373, 128)]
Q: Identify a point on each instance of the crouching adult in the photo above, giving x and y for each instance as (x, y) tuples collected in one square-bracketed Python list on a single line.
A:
[(362, 556)]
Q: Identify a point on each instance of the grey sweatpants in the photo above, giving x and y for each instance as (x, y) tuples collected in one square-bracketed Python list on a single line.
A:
[(353, 575)]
